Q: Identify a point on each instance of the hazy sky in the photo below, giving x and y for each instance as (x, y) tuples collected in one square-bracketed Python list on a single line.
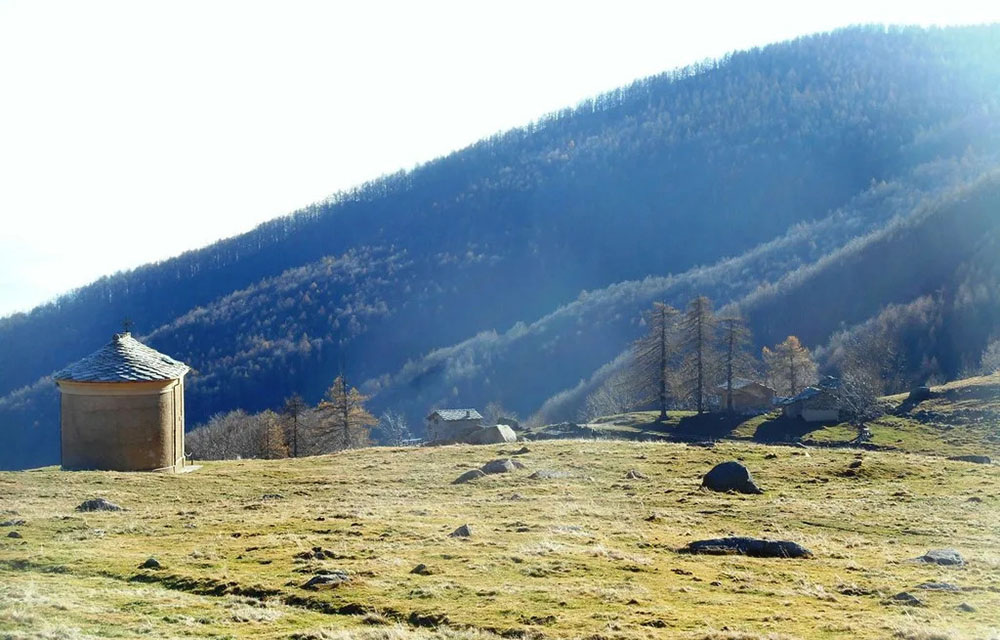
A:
[(131, 131)]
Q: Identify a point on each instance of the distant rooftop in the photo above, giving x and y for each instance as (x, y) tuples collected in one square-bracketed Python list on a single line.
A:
[(740, 383), (457, 414), (124, 359)]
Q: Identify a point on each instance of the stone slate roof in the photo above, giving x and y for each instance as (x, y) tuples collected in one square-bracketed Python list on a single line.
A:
[(741, 383), (124, 359), (456, 414)]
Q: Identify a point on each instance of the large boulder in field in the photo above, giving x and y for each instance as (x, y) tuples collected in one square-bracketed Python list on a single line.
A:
[(497, 434), (754, 547), (730, 476), (500, 465), (98, 504), (468, 476), (946, 557)]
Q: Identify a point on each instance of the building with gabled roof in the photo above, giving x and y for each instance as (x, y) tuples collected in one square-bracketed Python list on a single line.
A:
[(749, 396), (452, 424), (817, 403), (122, 409)]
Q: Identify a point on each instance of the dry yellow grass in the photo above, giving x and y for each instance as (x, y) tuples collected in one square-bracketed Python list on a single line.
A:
[(592, 555)]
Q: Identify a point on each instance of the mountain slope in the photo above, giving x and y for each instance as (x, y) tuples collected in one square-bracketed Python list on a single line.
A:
[(551, 237)]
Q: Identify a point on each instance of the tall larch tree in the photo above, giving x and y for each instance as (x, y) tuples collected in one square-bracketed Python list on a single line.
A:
[(698, 343), (344, 422), (790, 366), (293, 411), (652, 355), (272, 438), (734, 338)]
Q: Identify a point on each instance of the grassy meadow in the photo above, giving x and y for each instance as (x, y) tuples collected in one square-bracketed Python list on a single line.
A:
[(589, 554)]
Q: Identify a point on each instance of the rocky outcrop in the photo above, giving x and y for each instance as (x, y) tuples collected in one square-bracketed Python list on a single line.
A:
[(730, 476), (757, 548)]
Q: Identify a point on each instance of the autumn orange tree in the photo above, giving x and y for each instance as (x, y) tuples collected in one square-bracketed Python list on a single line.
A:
[(343, 420), (790, 367)]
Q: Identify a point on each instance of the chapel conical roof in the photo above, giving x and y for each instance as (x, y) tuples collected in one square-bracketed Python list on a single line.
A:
[(124, 359)]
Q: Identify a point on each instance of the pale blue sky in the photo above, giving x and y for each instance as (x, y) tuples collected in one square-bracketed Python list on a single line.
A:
[(131, 131)]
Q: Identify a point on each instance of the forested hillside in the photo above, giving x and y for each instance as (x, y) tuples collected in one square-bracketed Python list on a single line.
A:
[(819, 184)]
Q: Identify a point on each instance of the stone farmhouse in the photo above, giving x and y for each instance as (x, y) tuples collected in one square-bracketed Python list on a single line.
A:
[(452, 424), (815, 404), (749, 397)]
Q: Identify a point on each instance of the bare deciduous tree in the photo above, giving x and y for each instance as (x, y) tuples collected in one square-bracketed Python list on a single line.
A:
[(227, 436), (392, 428), (617, 394), (652, 355), (699, 368), (292, 411), (990, 360), (859, 387), (736, 359)]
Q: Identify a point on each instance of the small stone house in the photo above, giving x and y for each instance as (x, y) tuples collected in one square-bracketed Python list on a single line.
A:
[(815, 404), (452, 424), (749, 397), (122, 409)]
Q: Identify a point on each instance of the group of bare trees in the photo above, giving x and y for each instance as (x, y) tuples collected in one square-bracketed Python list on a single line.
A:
[(339, 421), (686, 358)]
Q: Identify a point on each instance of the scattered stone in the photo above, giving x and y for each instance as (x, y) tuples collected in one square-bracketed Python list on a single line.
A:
[(754, 547), (973, 459), (316, 553), (715, 583), (515, 497), (98, 504), (771, 456), (13, 523), (421, 570), (730, 476), (947, 557), (632, 474), (521, 451), (549, 474), (976, 499), (918, 395), (655, 623), (500, 465), (708, 444), (327, 580), (14, 534), (462, 532), (906, 598), (938, 586), (966, 607), (468, 476), (151, 563), (854, 465), (272, 496)]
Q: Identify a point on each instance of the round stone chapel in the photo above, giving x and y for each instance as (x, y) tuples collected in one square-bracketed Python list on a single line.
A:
[(122, 409)]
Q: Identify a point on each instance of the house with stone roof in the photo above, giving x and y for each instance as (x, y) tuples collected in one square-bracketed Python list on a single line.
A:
[(122, 409), (749, 396), (452, 424), (818, 403)]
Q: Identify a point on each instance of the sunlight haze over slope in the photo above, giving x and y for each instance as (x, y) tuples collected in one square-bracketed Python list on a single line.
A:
[(131, 132)]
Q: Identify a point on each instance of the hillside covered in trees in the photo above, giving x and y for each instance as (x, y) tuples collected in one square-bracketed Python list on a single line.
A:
[(833, 185)]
